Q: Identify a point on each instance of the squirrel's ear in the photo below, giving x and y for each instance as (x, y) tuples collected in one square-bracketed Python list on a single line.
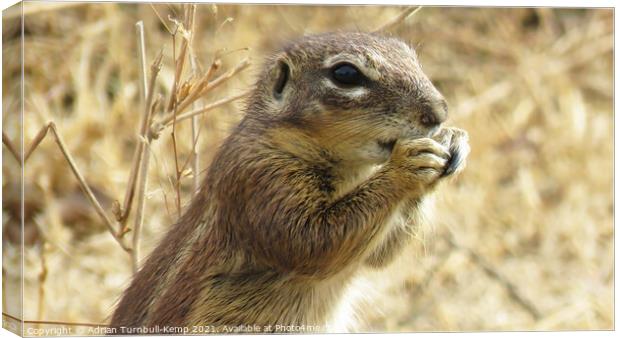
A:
[(281, 74)]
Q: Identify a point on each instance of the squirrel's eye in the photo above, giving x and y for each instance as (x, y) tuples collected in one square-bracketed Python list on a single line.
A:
[(347, 74)]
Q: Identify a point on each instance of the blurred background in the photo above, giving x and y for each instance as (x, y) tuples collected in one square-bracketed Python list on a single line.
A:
[(521, 240)]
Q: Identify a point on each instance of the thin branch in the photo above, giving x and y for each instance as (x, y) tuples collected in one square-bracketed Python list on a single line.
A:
[(161, 19), (35, 142), (224, 52), (177, 182), (123, 213), (194, 65), (215, 65), (10, 147), (195, 150), (195, 93), (144, 157), (245, 63), (191, 156), (143, 181), (173, 105), (227, 20), (213, 84), (139, 153), (490, 271), (85, 188), (173, 10), (398, 19), (142, 59), (168, 120), (176, 162), (172, 134), (177, 173), (180, 60), (177, 74)]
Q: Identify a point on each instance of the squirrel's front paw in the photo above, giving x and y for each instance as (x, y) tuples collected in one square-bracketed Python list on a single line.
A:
[(419, 162), (456, 140)]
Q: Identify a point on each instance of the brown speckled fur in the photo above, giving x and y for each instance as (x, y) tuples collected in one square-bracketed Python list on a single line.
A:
[(311, 187)]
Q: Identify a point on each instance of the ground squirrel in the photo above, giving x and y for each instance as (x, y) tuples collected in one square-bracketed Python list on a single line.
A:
[(340, 144)]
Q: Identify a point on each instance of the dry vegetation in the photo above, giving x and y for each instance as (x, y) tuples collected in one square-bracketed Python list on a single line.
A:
[(523, 239)]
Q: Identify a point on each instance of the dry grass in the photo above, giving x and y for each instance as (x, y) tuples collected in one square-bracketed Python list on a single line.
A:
[(523, 239)]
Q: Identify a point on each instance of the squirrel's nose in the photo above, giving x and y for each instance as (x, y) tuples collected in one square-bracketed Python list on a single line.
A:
[(434, 113)]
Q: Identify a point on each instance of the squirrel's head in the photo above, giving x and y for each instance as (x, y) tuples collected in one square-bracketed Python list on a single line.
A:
[(355, 94)]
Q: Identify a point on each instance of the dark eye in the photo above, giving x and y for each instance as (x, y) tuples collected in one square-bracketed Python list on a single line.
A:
[(347, 74)]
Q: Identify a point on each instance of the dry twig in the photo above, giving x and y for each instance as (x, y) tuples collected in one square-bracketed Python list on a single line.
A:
[(51, 126), (173, 104), (10, 147), (490, 271), (168, 121), (144, 130), (208, 86), (141, 196), (161, 19), (398, 19), (123, 213), (195, 128)]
